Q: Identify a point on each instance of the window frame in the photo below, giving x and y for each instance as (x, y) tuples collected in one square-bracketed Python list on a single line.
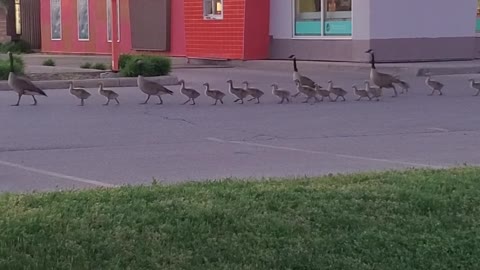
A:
[(51, 19), (109, 39), (88, 21), (322, 29), (212, 16)]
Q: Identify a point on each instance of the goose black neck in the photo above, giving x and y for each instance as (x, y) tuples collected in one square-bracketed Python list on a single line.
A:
[(372, 60), (295, 64), (11, 63)]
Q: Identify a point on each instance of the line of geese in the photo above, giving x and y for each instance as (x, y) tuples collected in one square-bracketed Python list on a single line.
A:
[(304, 85)]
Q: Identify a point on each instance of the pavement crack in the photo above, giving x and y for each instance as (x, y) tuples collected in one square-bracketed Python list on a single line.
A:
[(178, 119)]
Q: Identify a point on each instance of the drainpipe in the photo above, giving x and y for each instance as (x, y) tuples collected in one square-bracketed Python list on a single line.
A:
[(115, 52)]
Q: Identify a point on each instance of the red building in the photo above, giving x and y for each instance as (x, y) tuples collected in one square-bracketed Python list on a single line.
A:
[(226, 29)]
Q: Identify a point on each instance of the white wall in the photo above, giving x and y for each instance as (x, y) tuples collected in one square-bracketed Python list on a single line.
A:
[(361, 19), (281, 19), (422, 18)]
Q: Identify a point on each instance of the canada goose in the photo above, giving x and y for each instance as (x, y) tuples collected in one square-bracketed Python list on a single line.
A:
[(22, 85), (254, 92), (382, 80), (240, 93), (304, 80), (107, 93), (215, 94), (337, 91), (307, 91), (323, 92), (192, 94), (373, 91), (434, 85), (283, 94), (475, 85), (80, 93), (152, 89), (361, 93)]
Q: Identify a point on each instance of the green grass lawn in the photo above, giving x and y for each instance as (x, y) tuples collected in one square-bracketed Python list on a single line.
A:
[(419, 219)]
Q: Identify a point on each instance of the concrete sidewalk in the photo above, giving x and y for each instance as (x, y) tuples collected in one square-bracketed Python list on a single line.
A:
[(71, 63)]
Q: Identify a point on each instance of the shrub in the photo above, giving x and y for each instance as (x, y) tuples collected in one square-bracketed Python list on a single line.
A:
[(123, 59), (150, 66), (18, 66), (49, 62), (20, 46), (86, 65), (100, 66)]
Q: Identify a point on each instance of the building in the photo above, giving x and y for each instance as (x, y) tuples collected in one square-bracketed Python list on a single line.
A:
[(332, 30)]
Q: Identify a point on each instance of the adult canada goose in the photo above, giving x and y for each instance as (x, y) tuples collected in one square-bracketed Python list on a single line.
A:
[(337, 91), (307, 91), (323, 92), (434, 85), (282, 94), (108, 94), (240, 93), (254, 92), (304, 80), (80, 93), (361, 93), (22, 85), (192, 94), (475, 85), (382, 80), (152, 89), (373, 91), (215, 94)]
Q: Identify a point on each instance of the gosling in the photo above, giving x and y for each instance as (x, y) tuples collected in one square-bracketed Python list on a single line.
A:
[(361, 93), (322, 92), (108, 94), (190, 93), (337, 91), (254, 92), (434, 85), (80, 93), (280, 93), (373, 91), (240, 93), (217, 95)]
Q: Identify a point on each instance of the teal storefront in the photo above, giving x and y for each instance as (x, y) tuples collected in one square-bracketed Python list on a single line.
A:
[(323, 18)]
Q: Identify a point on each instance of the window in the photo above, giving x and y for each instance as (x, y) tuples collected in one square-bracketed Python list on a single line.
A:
[(323, 17), (478, 17), (109, 23), (82, 20), (213, 9), (56, 19), (18, 18)]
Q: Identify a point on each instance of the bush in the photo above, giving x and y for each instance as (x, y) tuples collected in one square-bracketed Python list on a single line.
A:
[(150, 66), (49, 62), (20, 46), (18, 67), (100, 66), (86, 65)]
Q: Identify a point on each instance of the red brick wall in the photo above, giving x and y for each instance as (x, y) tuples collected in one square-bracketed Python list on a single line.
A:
[(215, 38)]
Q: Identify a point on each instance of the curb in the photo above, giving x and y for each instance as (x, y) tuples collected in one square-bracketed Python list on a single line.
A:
[(93, 83), (418, 69)]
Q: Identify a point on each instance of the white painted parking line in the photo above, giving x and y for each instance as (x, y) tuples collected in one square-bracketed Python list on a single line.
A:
[(439, 129), (57, 175), (397, 162)]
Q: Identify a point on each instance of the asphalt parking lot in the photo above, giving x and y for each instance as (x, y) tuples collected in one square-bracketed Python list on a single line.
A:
[(59, 145)]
